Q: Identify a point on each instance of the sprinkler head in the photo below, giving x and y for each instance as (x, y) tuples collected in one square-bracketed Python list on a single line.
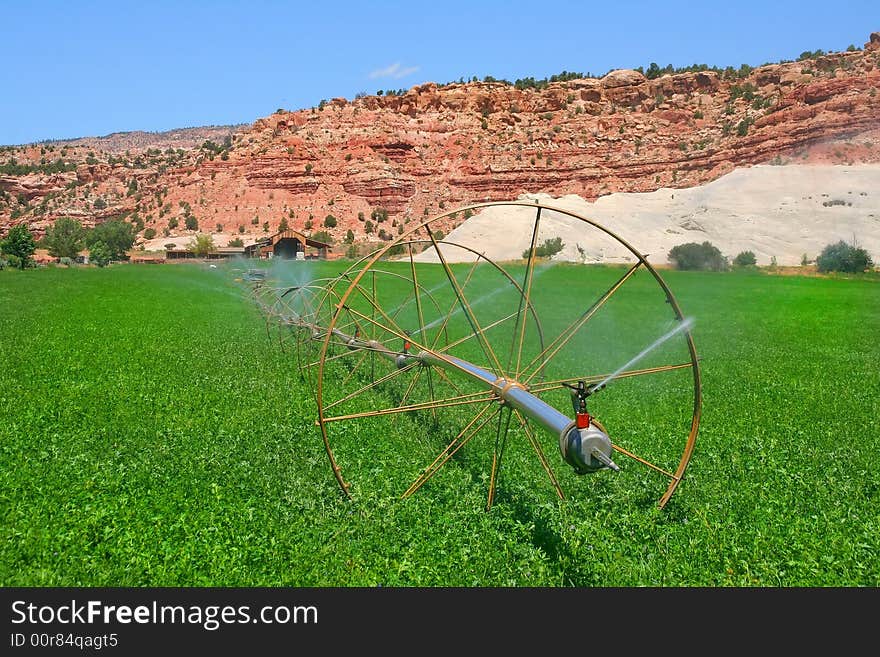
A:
[(587, 449)]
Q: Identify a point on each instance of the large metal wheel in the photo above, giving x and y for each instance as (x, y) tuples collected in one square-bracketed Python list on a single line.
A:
[(450, 320)]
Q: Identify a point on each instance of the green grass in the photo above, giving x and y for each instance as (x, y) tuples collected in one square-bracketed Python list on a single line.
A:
[(150, 435)]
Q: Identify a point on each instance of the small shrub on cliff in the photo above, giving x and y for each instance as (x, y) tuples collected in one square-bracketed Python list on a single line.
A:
[(548, 249), (323, 236), (742, 128)]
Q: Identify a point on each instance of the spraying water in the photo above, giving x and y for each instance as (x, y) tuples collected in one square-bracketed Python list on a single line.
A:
[(682, 326), (482, 299), (291, 273), (428, 292)]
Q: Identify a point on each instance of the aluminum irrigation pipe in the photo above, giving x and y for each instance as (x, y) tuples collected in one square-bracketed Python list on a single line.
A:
[(584, 445)]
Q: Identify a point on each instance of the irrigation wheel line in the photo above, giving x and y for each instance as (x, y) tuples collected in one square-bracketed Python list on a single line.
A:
[(496, 348)]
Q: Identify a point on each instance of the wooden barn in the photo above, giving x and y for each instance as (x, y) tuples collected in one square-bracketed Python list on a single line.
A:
[(287, 244)]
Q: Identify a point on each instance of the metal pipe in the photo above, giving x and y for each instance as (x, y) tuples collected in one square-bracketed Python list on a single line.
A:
[(510, 392)]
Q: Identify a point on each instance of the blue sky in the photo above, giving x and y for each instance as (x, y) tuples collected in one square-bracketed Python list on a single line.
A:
[(80, 68)]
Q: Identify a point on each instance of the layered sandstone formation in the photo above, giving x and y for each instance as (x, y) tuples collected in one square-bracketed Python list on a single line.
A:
[(438, 147)]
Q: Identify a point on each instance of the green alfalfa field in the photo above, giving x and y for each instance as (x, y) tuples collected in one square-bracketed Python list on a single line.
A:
[(151, 435)]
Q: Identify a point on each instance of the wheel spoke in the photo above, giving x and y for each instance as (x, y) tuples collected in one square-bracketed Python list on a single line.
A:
[(452, 307), (562, 339), (472, 335), (369, 386), (524, 301), (465, 306), (397, 330), (546, 386), (533, 440), (441, 374), (415, 282), (457, 443), (409, 389), (497, 453), (451, 363), (431, 391), (354, 369), (472, 398), (618, 448)]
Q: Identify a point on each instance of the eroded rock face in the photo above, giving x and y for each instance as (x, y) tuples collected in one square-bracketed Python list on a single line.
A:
[(437, 147)]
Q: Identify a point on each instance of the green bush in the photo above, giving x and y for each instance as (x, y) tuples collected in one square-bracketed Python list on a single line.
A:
[(99, 254), (11, 261), (19, 246), (745, 258), (323, 236), (548, 249), (693, 256), (844, 257), (201, 245), (65, 238), (330, 221), (149, 233), (116, 235)]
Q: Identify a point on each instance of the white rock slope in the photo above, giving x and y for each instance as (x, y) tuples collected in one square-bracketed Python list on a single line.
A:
[(774, 211)]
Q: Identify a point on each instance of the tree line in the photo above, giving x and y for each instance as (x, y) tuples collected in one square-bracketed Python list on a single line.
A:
[(66, 238)]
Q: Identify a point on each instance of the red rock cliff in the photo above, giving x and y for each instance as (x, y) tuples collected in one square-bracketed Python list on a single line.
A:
[(437, 147)]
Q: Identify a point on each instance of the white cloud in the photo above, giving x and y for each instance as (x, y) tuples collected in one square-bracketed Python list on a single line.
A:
[(395, 71)]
